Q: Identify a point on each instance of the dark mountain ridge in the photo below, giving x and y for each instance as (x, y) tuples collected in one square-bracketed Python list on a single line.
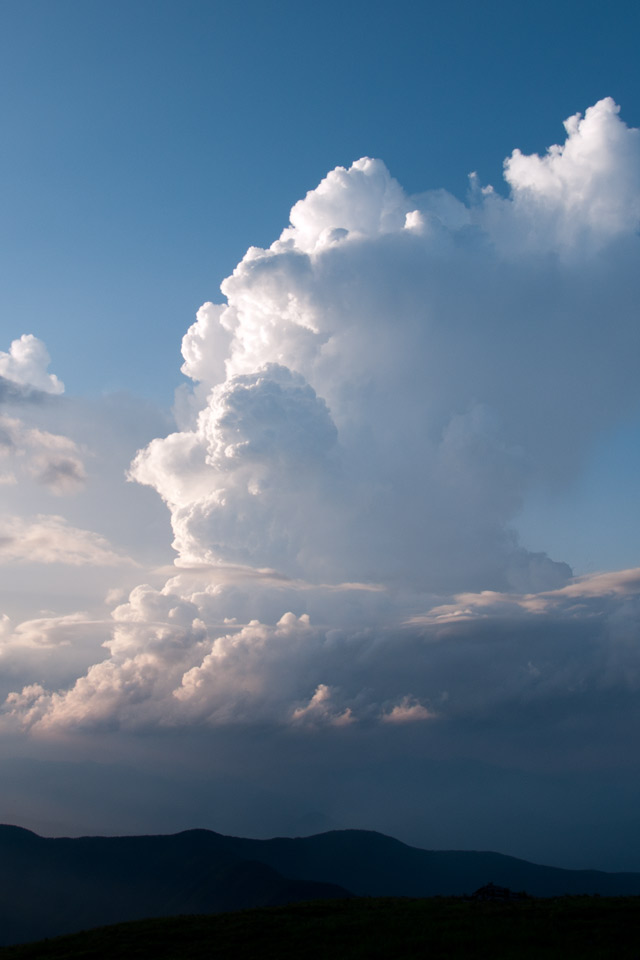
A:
[(50, 886), (372, 864)]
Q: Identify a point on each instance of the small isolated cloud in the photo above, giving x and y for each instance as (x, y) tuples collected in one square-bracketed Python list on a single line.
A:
[(49, 631), (26, 364), (49, 539), (321, 710), (53, 461), (408, 710)]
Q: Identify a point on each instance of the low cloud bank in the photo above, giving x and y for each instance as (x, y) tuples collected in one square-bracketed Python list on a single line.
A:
[(175, 660)]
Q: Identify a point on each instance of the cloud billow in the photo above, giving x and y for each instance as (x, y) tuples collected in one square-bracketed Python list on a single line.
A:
[(25, 366), (451, 361)]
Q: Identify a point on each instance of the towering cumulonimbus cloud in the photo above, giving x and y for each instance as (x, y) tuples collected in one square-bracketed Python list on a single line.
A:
[(432, 367), (374, 400)]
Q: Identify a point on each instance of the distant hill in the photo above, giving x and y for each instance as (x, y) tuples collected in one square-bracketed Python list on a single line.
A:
[(50, 886), (54, 886), (372, 864)]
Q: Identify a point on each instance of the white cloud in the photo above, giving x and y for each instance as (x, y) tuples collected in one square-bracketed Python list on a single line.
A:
[(50, 631), (584, 192), (442, 363), (206, 344), (49, 539), (172, 662), (364, 201), (227, 477), (408, 711), (26, 364), (573, 599), (321, 710)]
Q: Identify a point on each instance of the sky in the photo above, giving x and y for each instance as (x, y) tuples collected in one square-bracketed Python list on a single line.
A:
[(319, 422)]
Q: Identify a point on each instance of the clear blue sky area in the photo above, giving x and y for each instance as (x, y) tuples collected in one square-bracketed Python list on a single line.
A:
[(147, 144)]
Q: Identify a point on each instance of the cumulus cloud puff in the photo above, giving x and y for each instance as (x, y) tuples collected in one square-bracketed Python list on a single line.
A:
[(584, 192), (26, 364), (375, 399)]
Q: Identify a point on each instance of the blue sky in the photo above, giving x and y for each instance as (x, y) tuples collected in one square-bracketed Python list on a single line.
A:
[(388, 523)]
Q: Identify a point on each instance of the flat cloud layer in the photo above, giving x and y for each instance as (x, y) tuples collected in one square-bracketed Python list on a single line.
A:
[(372, 404), (48, 539)]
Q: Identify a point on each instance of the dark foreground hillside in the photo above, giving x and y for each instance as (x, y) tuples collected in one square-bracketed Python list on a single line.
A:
[(591, 928)]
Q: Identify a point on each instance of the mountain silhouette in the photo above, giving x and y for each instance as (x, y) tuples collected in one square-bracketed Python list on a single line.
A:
[(50, 886), (54, 886), (372, 864)]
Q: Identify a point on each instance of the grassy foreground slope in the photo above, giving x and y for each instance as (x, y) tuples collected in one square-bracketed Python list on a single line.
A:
[(591, 928)]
